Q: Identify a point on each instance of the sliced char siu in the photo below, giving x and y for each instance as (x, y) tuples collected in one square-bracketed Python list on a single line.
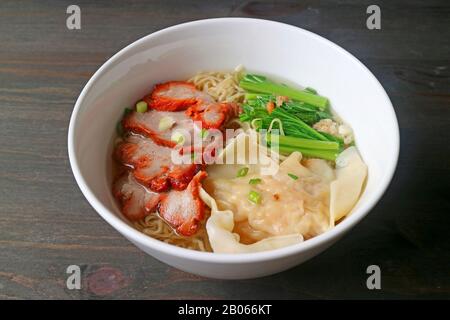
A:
[(213, 115), (148, 124), (184, 210), (175, 96), (153, 182), (152, 164), (165, 102), (136, 200)]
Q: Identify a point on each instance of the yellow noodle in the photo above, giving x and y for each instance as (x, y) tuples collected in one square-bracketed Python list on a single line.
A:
[(222, 86), (157, 228)]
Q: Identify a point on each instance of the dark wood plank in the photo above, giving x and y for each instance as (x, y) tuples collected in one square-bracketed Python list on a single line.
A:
[(46, 224)]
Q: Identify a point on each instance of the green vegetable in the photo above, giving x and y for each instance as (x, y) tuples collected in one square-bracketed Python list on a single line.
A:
[(141, 106), (254, 181), (298, 127), (293, 176), (330, 137), (253, 95), (293, 118), (303, 143), (254, 197), (310, 153), (289, 113), (242, 172), (258, 83), (306, 112), (327, 150)]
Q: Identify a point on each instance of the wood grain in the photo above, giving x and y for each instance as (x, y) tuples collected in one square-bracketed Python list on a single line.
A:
[(46, 224)]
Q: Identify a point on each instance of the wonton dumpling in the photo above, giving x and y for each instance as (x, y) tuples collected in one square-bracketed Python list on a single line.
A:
[(290, 209), (221, 223), (220, 226), (321, 168), (345, 190)]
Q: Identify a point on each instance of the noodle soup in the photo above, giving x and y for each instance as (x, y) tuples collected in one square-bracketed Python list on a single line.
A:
[(237, 206)]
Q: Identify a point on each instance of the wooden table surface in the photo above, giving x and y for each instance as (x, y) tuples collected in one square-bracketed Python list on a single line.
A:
[(46, 224)]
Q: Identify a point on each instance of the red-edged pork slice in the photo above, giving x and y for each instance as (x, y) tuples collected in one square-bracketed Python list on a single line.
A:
[(184, 210), (152, 164), (158, 125), (213, 115), (136, 200), (175, 96)]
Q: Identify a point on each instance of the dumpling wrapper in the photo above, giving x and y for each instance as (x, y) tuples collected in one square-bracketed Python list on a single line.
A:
[(351, 173)]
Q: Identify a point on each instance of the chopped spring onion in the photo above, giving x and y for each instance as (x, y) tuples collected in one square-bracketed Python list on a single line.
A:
[(254, 197), (166, 123), (242, 172), (203, 133), (257, 83), (293, 176), (177, 137), (254, 181), (141, 106)]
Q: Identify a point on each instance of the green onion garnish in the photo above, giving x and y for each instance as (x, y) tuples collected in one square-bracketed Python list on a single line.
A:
[(177, 137), (141, 106), (165, 123), (293, 176), (242, 172), (254, 181), (204, 133), (254, 197)]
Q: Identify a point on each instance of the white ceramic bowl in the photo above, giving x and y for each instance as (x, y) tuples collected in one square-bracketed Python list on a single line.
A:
[(261, 46)]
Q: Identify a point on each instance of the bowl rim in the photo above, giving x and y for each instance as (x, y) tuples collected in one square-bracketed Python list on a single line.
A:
[(140, 238)]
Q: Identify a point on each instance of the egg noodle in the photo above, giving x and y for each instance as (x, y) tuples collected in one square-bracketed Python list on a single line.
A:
[(222, 86), (157, 228)]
